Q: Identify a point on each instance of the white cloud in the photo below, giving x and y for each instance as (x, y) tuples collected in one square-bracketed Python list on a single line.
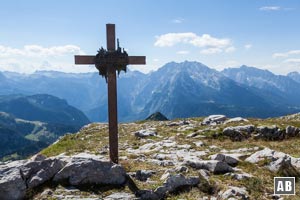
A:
[(208, 43), (270, 8), (292, 60), (170, 39), (286, 54), (155, 59), (37, 50), (178, 20), (248, 46), (182, 52), (230, 49), (31, 58)]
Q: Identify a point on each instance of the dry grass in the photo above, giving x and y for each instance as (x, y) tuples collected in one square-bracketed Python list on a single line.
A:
[(95, 138)]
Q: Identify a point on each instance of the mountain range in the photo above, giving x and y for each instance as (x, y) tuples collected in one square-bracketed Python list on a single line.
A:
[(30, 123), (177, 90)]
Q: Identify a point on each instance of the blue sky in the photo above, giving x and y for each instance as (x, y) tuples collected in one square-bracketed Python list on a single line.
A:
[(44, 35)]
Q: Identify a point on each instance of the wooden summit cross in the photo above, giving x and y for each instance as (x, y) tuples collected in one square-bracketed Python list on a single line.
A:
[(108, 62)]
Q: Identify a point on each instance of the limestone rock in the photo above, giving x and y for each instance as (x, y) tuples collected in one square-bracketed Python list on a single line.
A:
[(239, 176), (175, 182), (179, 123), (143, 175), (120, 196), (84, 171), (291, 131), (145, 133), (147, 195), (214, 166), (17, 177), (238, 192), (199, 143), (236, 119), (278, 161), (264, 154), (214, 119), (230, 159), (38, 172), (238, 133), (270, 133), (204, 174), (12, 183)]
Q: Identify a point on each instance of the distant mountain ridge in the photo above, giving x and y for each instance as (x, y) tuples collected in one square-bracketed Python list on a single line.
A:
[(30, 123), (43, 107), (295, 76), (285, 89), (177, 89)]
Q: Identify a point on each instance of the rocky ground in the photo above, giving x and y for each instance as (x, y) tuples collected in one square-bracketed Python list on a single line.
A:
[(196, 158)]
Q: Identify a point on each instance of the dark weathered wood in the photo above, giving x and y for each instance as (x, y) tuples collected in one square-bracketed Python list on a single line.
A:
[(84, 60), (110, 37), (112, 97), (137, 60), (111, 86), (133, 60), (112, 116)]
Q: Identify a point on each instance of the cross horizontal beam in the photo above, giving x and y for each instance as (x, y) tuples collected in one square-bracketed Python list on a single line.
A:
[(90, 60)]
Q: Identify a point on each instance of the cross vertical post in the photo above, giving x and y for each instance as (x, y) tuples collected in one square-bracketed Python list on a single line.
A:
[(108, 62), (112, 97)]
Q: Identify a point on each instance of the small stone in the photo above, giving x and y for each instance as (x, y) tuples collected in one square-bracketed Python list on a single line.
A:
[(239, 177), (165, 176), (120, 196), (239, 192), (229, 159), (199, 143), (204, 173), (213, 120), (191, 135), (143, 175), (215, 166), (181, 169), (236, 119), (145, 133)]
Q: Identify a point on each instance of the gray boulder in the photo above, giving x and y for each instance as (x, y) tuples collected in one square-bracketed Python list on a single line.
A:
[(278, 161), (12, 183), (239, 133), (86, 171), (230, 159), (40, 171), (291, 131), (214, 166), (19, 176), (172, 184), (147, 195), (266, 153), (214, 119), (270, 133), (175, 182)]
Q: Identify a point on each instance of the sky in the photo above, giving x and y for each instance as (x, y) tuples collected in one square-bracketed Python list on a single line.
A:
[(45, 35)]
